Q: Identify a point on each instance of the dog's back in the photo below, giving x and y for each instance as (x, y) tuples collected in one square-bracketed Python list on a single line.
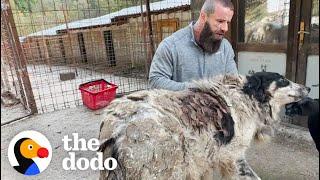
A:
[(146, 142), (161, 134)]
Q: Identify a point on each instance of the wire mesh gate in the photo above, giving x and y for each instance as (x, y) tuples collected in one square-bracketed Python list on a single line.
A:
[(67, 43), (15, 84)]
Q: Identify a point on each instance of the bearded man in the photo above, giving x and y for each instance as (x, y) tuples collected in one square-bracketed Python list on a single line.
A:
[(196, 51)]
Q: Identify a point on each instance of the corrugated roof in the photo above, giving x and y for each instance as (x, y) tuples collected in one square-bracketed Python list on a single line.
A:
[(106, 19)]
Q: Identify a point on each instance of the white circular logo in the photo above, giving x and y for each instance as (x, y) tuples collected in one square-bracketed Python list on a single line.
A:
[(29, 153)]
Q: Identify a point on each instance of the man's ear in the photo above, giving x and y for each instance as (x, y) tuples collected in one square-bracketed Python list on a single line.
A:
[(203, 16)]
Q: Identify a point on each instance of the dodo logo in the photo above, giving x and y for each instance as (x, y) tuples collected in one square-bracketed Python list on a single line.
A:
[(29, 153)]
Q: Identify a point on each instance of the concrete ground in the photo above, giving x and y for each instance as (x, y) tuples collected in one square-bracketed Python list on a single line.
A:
[(10, 113), (52, 94), (291, 155)]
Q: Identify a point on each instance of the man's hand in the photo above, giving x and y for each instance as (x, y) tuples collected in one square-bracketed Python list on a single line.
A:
[(304, 107)]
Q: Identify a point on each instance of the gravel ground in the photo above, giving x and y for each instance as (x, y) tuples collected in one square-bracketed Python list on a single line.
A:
[(291, 155)]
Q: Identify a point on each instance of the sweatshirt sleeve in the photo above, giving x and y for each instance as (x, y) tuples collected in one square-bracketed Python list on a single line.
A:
[(231, 67), (161, 69)]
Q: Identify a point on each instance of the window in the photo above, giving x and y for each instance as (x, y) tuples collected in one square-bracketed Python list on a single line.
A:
[(82, 47), (62, 50), (39, 50), (264, 21), (109, 48), (315, 22), (49, 48)]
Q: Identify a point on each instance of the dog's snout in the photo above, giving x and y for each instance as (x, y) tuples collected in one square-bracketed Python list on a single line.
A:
[(308, 89)]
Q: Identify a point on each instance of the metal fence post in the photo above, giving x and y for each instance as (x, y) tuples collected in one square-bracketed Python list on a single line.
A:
[(7, 13)]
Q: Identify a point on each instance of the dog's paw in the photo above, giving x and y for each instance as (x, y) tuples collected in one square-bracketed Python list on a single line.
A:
[(264, 134)]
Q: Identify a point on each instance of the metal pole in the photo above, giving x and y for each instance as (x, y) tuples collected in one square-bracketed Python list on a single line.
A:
[(24, 72), (144, 37), (12, 61), (46, 54), (151, 47), (70, 39)]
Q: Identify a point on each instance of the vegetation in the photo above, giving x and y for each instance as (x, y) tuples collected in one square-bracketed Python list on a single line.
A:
[(35, 15), (315, 8), (255, 11)]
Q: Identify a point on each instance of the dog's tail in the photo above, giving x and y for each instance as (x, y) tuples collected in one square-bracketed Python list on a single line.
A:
[(109, 149)]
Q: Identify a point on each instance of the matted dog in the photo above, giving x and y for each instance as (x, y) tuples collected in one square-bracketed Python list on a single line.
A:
[(160, 134)]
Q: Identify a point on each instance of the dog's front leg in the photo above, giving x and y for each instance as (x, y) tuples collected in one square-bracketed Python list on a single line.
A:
[(244, 170)]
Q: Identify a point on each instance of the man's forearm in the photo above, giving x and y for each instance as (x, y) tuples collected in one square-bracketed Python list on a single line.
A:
[(165, 83)]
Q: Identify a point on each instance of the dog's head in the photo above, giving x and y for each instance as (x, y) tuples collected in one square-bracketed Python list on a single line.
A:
[(266, 86), (272, 91)]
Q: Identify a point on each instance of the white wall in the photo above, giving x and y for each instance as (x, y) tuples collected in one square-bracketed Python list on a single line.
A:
[(258, 61), (313, 75), (249, 62)]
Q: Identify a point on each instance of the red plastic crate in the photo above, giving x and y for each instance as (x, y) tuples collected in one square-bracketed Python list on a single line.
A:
[(97, 94)]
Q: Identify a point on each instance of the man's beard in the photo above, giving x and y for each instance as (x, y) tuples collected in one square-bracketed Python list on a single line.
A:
[(207, 41)]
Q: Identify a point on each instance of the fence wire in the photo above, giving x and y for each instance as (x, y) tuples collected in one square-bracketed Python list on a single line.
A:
[(12, 89), (67, 43)]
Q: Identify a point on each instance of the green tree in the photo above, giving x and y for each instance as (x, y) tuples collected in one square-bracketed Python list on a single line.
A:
[(25, 6)]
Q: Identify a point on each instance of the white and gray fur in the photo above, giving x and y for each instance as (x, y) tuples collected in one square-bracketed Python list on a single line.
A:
[(160, 134)]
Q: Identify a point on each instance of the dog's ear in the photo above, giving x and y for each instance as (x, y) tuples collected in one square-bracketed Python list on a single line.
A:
[(253, 83), (254, 87)]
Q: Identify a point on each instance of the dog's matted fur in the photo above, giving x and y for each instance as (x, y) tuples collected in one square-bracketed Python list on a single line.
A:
[(160, 134)]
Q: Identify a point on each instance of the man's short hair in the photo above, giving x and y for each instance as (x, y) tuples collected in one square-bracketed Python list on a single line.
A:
[(209, 5)]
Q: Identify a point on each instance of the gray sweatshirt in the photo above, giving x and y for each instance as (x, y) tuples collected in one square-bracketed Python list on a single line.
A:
[(179, 60)]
